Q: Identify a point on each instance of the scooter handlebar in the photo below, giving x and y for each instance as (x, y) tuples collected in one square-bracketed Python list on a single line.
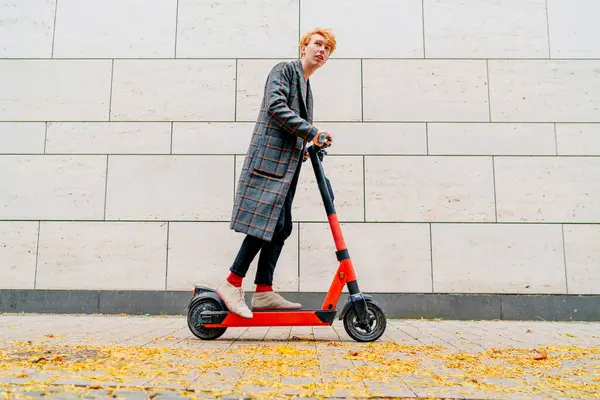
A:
[(320, 150), (322, 137)]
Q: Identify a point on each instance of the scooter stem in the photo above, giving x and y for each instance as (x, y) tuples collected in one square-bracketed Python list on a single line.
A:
[(345, 273), (322, 181)]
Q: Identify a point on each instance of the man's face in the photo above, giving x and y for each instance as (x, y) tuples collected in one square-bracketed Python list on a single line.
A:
[(317, 51)]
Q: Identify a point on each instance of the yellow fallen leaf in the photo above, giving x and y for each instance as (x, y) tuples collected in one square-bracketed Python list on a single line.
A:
[(542, 354), (305, 339)]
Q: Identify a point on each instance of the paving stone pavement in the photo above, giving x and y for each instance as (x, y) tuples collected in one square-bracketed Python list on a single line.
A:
[(143, 357)]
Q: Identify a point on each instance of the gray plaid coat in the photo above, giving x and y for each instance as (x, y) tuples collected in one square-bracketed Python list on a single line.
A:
[(278, 142)]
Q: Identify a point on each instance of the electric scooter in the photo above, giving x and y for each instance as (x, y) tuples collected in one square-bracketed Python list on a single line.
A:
[(364, 321)]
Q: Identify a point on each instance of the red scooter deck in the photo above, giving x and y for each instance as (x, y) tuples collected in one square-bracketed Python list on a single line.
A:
[(279, 318)]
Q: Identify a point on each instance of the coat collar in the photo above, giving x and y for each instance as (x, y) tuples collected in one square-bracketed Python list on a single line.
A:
[(300, 73)]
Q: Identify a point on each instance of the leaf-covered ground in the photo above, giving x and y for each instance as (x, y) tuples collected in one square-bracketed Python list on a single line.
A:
[(137, 357)]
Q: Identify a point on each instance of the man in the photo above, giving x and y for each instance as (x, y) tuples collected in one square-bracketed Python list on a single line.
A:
[(263, 203)]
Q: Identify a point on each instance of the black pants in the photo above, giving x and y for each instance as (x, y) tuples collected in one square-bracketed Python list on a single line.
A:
[(270, 250)]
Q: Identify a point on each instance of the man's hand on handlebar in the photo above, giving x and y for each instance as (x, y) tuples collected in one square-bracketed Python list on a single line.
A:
[(329, 138), (326, 136)]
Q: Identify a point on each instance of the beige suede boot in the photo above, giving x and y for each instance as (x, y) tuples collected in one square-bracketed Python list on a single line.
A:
[(272, 301), (234, 299)]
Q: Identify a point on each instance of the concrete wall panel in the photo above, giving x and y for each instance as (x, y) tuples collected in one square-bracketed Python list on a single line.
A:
[(574, 29), (545, 91), (22, 137), (491, 139), (257, 29), (180, 90), (578, 139), (99, 255), (115, 29), (582, 255), (563, 189), (430, 90), (52, 187), (18, 251), (182, 187), (108, 138), (427, 189), (26, 28), (52, 90), (489, 28), (498, 258)]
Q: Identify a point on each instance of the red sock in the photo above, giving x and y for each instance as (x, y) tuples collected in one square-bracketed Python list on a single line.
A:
[(264, 288), (235, 279)]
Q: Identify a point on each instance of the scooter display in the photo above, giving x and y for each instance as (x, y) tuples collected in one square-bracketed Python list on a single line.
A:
[(364, 321)]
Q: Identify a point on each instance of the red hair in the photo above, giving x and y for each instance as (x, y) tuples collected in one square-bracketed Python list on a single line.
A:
[(325, 32)]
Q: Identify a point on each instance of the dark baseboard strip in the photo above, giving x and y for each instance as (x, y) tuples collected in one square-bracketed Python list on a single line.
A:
[(395, 305)]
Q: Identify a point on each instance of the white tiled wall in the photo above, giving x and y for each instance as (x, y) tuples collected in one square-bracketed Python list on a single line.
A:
[(486, 258), (426, 90), (173, 90), (544, 91), (52, 187), (466, 156), (27, 28), (485, 29), (55, 90), (96, 255), (115, 29)]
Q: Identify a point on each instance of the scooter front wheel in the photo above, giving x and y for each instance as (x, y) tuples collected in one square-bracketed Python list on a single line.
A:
[(369, 332)]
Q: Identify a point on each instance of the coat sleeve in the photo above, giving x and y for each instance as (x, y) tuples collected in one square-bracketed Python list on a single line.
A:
[(278, 87)]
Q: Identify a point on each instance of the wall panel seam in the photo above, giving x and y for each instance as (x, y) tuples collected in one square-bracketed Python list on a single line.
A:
[(54, 29), (37, 255)]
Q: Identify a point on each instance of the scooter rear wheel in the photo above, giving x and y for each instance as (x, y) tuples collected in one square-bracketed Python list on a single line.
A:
[(194, 320), (370, 332)]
